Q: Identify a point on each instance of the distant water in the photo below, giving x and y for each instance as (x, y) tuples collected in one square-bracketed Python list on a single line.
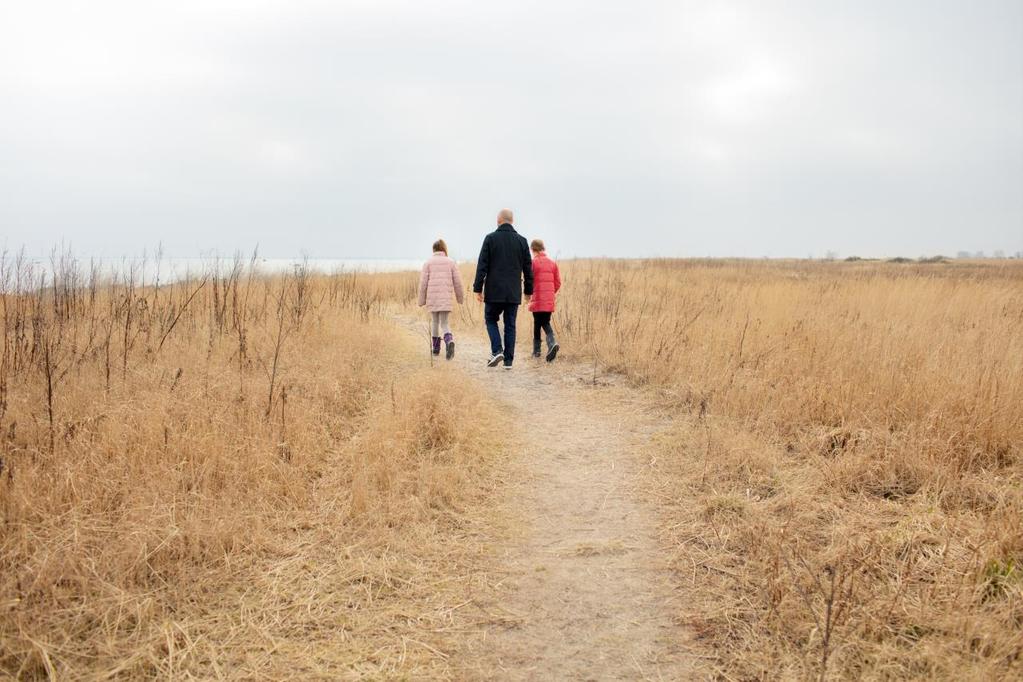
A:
[(168, 270), (183, 266)]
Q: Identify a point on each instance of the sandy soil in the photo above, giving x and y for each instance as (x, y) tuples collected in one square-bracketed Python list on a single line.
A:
[(586, 590)]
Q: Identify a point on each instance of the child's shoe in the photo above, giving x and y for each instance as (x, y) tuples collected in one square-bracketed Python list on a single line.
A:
[(536, 349), (449, 346), (436, 345), (552, 346)]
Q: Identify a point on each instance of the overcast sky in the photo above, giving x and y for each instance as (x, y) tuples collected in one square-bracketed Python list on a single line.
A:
[(369, 128)]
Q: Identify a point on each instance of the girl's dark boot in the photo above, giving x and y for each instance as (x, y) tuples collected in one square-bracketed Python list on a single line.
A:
[(449, 346), (552, 347)]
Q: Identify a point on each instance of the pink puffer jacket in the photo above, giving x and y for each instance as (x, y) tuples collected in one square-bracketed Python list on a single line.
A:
[(546, 282), (439, 283)]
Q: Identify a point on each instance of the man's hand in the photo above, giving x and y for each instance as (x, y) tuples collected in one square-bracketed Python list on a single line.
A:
[(479, 296)]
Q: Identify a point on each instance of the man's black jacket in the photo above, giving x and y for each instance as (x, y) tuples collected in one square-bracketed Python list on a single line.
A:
[(504, 265)]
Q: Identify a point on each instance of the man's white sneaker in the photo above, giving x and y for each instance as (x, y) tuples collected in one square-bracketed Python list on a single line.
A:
[(495, 360)]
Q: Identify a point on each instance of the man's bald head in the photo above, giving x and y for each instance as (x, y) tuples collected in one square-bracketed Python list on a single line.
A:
[(505, 216)]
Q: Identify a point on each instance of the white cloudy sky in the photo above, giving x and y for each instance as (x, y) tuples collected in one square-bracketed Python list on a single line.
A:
[(369, 127)]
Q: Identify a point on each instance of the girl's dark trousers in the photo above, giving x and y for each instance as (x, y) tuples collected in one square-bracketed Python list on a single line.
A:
[(542, 321)]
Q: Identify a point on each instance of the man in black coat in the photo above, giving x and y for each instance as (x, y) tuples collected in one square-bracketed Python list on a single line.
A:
[(504, 269)]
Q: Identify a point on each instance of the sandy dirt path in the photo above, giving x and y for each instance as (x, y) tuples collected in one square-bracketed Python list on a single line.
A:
[(586, 588)]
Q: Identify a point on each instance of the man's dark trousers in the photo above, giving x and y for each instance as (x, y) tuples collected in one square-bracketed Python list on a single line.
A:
[(491, 313)]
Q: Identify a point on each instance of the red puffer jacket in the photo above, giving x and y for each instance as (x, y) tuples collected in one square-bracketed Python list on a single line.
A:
[(546, 282)]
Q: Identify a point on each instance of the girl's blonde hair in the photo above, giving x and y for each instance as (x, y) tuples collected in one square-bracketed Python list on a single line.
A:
[(439, 245), (537, 245)]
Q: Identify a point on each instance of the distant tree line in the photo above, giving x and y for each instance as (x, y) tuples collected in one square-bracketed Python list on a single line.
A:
[(998, 253)]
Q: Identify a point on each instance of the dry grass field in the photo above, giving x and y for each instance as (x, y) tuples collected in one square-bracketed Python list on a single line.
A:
[(249, 476), (236, 475), (843, 482)]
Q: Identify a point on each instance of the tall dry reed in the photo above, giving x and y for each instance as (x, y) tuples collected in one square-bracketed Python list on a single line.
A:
[(227, 475)]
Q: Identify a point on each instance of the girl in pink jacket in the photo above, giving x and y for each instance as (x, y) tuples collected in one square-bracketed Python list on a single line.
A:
[(440, 282), (546, 283)]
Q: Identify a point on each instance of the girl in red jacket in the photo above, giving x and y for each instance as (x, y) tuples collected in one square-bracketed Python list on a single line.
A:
[(546, 282)]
